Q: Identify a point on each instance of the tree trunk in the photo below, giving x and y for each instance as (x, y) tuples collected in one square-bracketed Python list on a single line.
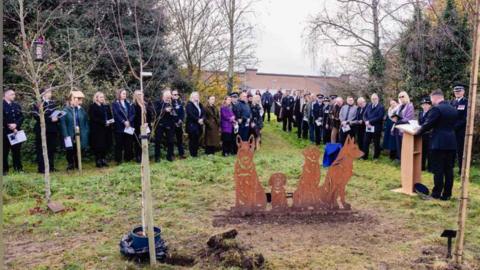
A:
[(377, 65), (43, 135), (231, 56)]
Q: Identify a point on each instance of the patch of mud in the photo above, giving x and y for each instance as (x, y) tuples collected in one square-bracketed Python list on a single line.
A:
[(435, 258)]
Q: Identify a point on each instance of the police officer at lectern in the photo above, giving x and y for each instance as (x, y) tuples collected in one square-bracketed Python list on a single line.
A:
[(441, 120), (460, 103)]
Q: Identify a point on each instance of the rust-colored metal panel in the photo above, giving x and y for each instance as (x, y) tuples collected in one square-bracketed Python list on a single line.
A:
[(279, 197), (307, 195), (250, 195)]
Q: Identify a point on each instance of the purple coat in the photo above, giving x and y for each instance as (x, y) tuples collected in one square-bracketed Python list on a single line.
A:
[(226, 115)]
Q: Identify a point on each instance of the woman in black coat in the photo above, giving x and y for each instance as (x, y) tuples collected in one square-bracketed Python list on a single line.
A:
[(101, 122), (195, 121)]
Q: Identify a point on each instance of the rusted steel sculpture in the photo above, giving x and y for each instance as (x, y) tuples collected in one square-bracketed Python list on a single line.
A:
[(279, 200), (338, 176), (250, 195), (309, 197)]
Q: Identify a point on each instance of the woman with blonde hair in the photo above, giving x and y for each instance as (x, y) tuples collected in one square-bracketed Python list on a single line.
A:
[(139, 103), (101, 121), (403, 115)]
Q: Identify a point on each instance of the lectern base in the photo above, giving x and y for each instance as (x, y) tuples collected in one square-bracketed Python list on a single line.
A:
[(401, 190)]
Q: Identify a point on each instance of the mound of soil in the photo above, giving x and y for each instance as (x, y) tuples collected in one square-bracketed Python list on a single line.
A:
[(434, 258)]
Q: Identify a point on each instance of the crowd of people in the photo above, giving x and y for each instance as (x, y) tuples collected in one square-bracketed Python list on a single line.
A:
[(318, 118), (330, 119), (118, 125)]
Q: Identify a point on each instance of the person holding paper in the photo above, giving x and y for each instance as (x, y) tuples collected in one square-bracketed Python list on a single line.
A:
[(12, 122), (358, 124), (373, 119), (389, 142), (443, 145), (326, 128), (405, 113), (101, 122), (195, 122), (461, 105), (334, 119), (348, 112), (277, 99), (75, 116), (124, 116), (138, 103), (166, 118)]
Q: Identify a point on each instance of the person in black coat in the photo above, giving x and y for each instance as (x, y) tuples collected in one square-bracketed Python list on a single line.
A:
[(277, 99), (373, 119), (138, 102), (51, 129), (101, 123), (426, 104), (358, 125), (244, 117), (166, 118), (194, 123), (325, 113), (180, 110), (443, 145), (124, 116), (286, 113), (461, 104), (298, 113), (267, 102), (12, 122)]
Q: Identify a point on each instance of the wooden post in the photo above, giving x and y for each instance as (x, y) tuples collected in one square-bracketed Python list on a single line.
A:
[(467, 149), (79, 148)]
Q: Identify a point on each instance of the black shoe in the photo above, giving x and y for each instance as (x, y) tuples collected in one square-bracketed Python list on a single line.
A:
[(436, 196), (104, 162), (41, 171), (445, 198), (53, 170), (98, 164), (70, 167)]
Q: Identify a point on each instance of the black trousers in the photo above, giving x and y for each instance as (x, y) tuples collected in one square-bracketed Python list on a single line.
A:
[(442, 166), (227, 143), (426, 162), (343, 135), (267, 109), (460, 136), (123, 147), (179, 141), (287, 119), (16, 156), (298, 123), (360, 136), (305, 129), (72, 158), (193, 143), (369, 137), (52, 139), (137, 147), (327, 134), (167, 133)]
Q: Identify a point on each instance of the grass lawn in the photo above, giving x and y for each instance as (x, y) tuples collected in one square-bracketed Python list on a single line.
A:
[(105, 204)]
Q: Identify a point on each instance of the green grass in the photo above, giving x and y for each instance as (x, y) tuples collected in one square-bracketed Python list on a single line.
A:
[(105, 204)]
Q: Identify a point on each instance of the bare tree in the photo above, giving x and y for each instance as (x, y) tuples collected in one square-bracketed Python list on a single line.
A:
[(241, 47), (364, 26), (196, 31)]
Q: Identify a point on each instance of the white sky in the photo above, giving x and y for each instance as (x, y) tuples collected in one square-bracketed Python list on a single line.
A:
[(280, 47)]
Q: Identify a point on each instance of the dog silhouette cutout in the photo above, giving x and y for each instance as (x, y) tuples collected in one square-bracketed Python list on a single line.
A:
[(307, 195), (279, 199)]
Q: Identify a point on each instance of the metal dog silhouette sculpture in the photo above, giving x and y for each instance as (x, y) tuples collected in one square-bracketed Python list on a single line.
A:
[(309, 196), (250, 195)]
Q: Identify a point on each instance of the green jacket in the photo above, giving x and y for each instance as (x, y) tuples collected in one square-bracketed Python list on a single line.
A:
[(68, 129)]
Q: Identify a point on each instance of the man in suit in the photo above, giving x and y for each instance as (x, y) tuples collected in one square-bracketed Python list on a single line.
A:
[(277, 99), (287, 111), (12, 122), (244, 116), (297, 113), (267, 102), (348, 113), (441, 120), (317, 118), (426, 105), (358, 124), (373, 119), (179, 108), (324, 114), (461, 104), (51, 128)]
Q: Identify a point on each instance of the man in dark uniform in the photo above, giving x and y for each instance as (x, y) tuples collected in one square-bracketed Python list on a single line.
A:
[(277, 98), (325, 114), (358, 124), (267, 102), (373, 119), (317, 119), (51, 128), (441, 120), (426, 105), (166, 119), (179, 108), (297, 113), (236, 112), (461, 104), (287, 111), (12, 122)]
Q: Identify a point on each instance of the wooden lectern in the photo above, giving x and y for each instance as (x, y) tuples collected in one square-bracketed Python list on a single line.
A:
[(411, 163)]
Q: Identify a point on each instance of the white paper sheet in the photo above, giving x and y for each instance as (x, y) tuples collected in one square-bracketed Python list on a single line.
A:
[(318, 122), (110, 121), (68, 142), (57, 114), (408, 128), (17, 137), (370, 129), (129, 130), (346, 128)]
